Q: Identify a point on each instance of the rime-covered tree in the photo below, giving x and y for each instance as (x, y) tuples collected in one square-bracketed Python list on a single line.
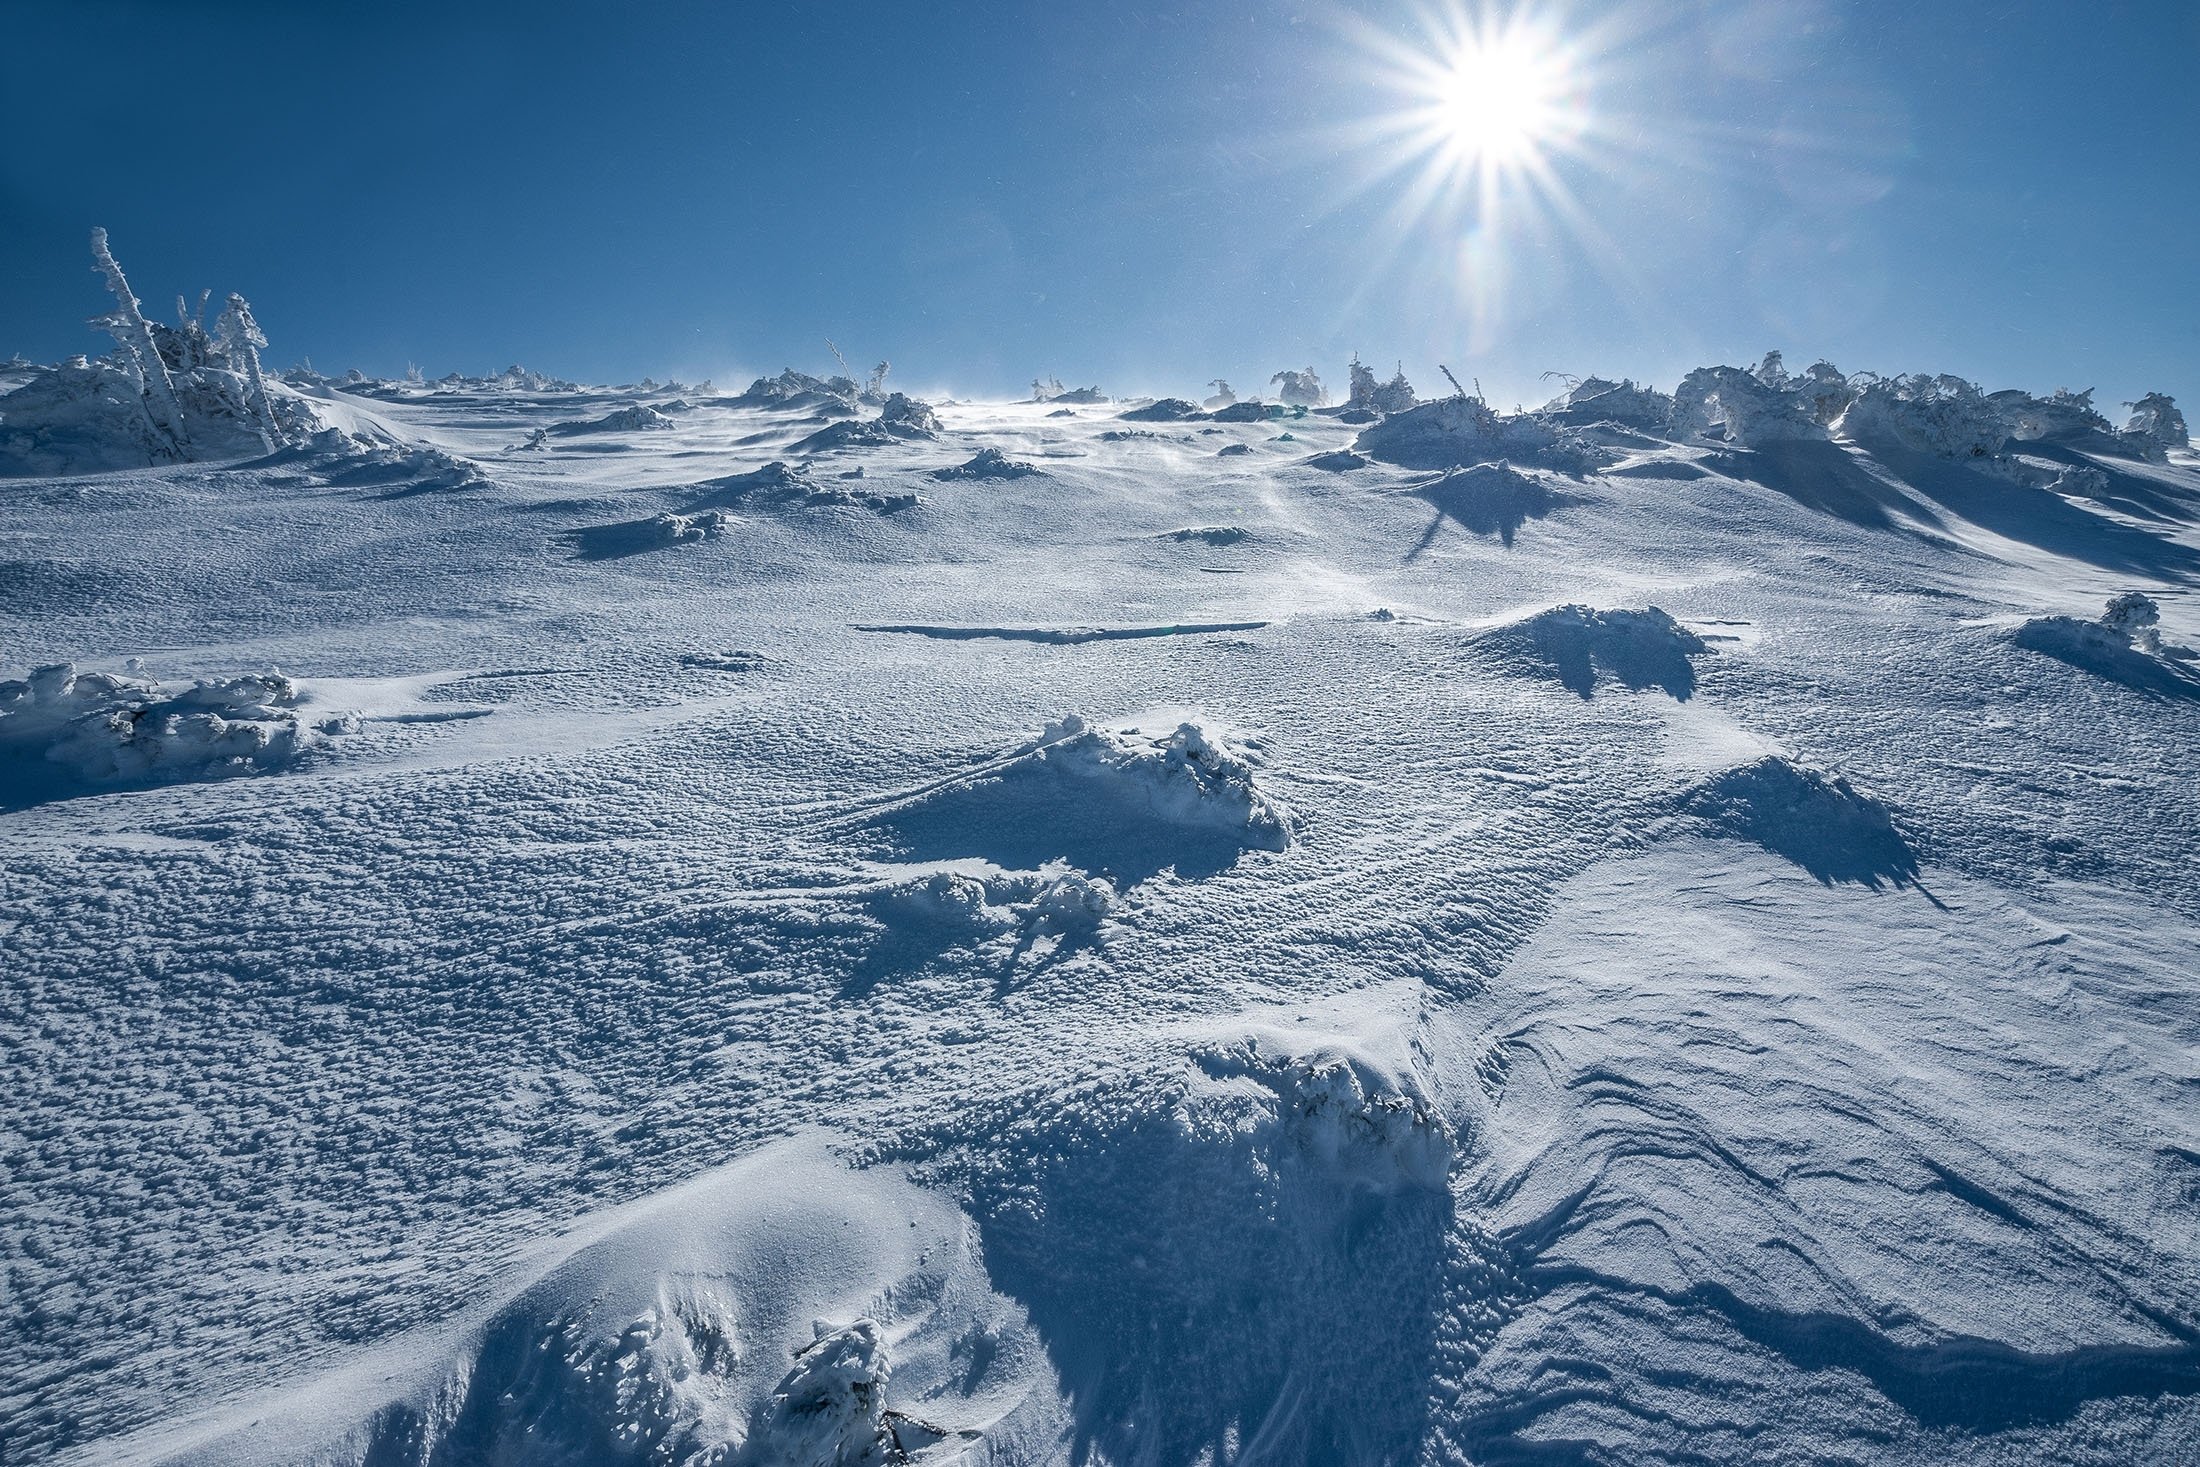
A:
[(127, 324), (241, 340)]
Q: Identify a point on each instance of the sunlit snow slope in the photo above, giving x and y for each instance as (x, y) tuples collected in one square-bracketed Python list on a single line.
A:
[(1175, 956)]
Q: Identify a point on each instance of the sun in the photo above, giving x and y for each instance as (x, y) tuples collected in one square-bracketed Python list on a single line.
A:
[(1501, 99)]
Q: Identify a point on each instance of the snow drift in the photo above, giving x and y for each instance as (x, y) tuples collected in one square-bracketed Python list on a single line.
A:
[(1637, 649)]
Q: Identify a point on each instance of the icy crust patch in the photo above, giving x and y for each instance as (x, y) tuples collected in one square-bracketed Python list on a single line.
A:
[(102, 729), (1188, 777), (1249, 1250), (1820, 821), (1637, 649), (1457, 431)]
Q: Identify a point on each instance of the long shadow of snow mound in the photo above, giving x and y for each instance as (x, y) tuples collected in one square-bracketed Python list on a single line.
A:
[(1243, 1265), (1488, 499), (1123, 804), (1827, 479), (2106, 653), (633, 537), (1638, 649), (63, 732), (1821, 822)]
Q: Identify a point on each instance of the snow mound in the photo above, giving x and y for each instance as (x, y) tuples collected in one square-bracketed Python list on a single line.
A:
[(1638, 649), (1254, 411), (2156, 426), (1338, 461), (1944, 416), (104, 729), (1595, 400), (1819, 821), (1125, 803), (777, 485), (1209, 534), (1189, 777), (1167, 410), (987, 463), (901, 419), (1456, 431), (2125, 646), (1055, 901), (637, 418), (799, 390)]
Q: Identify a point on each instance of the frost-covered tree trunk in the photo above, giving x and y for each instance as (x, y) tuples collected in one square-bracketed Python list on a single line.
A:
[(129, 326), (242, 338)]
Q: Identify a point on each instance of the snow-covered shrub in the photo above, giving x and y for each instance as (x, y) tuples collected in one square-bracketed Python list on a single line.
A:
[(2063, 417), (901, 419), (905, 416), (2137, 617), (1056, 900), (1825, 391), (1751, 411), (2156, 426), (830, 1411), (635, 418), (1369, 395), (1222, 396), (1944, 416), (1300, 389), (102, 728), (1454, 431), (792, 389), (352, 461)]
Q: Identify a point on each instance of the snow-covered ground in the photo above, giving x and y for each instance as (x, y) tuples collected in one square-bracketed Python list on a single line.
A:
[(582, 946)]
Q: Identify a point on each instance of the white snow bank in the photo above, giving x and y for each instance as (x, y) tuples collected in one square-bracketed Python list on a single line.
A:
[(102, 729), (2125, 645)]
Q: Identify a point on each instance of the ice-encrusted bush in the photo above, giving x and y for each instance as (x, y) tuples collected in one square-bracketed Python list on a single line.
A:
[(830, 1411), (2063, 416), (2156, 426), (168, 394), (901, 419), (1369, 395), (1302, 388), (1188, 777), (792, 389), (103, 728), (1363, 1127), (1751, 410), (1055, 901), (905, 416), (1944, 416)]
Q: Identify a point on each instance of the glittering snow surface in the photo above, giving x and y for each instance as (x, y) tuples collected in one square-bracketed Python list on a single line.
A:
[(1007, 938)]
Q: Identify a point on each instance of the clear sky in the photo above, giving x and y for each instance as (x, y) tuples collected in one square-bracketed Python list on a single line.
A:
[(1142, 195)]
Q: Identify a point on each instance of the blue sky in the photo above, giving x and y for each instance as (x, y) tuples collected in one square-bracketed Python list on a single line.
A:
[(1145, 196)]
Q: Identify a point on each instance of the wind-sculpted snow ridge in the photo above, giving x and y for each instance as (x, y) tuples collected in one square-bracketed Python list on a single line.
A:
[(697, 1329), (1249, 1247), (1637, 649), (96, 728), (987, 463), (1455, 432), (2124, 646), (1820, 821), (634, 418), (353, 461)]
